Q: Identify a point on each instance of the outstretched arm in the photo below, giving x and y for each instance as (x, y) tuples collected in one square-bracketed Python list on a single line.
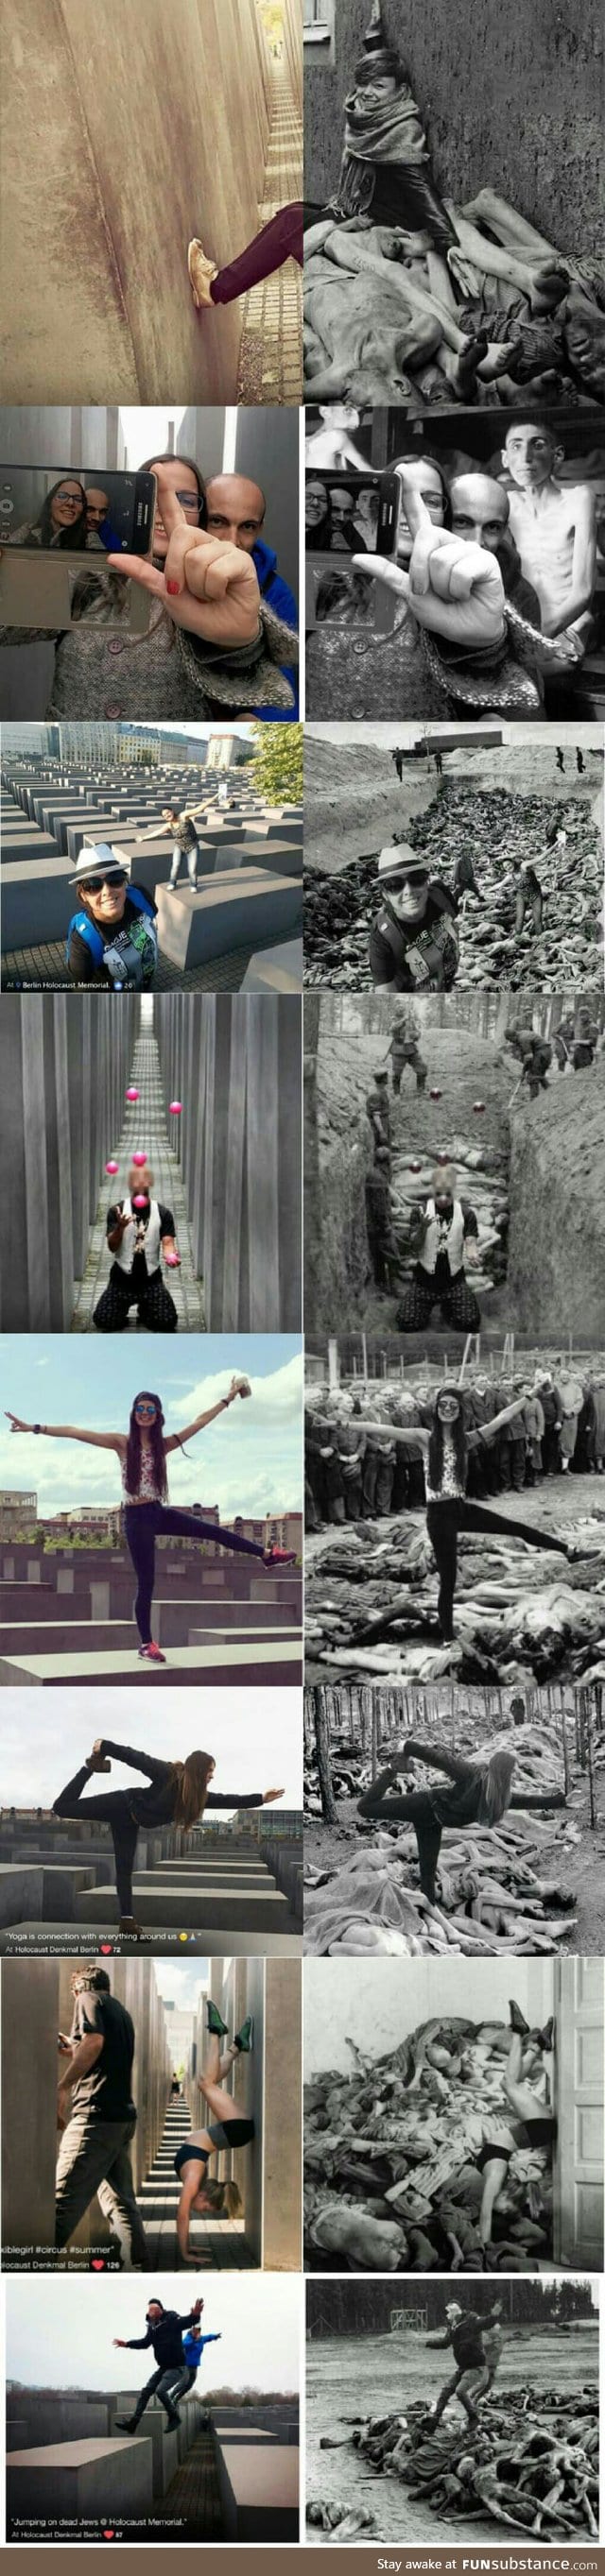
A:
[(488, 1429), (407, 1439), (69, 1431), (252, 1798), (239, 1386)]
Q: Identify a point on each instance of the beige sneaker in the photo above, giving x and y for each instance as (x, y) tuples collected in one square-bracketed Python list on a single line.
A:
[(201, 273)]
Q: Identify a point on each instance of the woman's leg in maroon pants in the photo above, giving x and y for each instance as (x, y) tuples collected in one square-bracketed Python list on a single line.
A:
[(279, 240)]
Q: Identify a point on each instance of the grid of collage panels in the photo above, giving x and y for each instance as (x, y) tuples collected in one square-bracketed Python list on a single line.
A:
[(302, 1070)]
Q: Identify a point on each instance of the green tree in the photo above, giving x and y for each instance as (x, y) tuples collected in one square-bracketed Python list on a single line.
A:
[(278, 763)]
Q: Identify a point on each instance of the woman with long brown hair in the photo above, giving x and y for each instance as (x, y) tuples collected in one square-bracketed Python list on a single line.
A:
[(178, 1795), (227, 2130), (446, 1450), (142, 1452), (480, 1793)]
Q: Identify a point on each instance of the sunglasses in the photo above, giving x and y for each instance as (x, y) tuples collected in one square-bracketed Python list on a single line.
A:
[(117, 877)]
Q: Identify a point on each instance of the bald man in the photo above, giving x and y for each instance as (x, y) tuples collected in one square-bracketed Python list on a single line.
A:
[(480, 513), (234, 510)]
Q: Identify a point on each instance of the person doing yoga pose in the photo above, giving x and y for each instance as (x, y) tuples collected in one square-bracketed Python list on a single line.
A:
[(446, 1449), (480, 1794), (199, 2194), (178, 1795), (142, 1452)]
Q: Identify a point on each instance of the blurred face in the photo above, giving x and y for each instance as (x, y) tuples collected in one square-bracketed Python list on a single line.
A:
[(181, 479), (106, 899), (145, 1412), (235, 510), (97, 505), (66, 505), (448, 1409), (316, 503), (154, 2311), (424, 478), (479, 510), (530, 455), (409, 900), (339, 415)]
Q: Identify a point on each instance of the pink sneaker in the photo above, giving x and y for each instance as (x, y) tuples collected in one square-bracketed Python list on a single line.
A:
[(279, 1556), (151, 1654)]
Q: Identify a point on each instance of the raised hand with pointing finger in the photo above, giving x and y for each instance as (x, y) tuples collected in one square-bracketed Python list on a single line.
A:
[(205, 585), (452, 588)]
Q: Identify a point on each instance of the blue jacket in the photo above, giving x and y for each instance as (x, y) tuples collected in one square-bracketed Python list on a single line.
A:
[(193, 2346), (280, 599)]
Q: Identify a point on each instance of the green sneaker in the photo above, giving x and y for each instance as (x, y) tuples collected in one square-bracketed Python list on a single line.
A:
[(244, 2038), (216, 2025)]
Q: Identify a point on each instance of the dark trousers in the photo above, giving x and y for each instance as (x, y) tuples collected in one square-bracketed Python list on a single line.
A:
[(94, 2156), (458, 1304), (168, 2385), (144, 1522), (279, 240), (112, 1809), (444, 1520), (418, 1811), (155, 1307)]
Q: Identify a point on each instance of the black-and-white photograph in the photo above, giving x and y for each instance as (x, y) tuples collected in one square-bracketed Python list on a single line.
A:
[(473, 2410), (456, 855), (465, 577), (454, 239), (439, 1824), (452, 2125), (454, 1162), (454, 1510)]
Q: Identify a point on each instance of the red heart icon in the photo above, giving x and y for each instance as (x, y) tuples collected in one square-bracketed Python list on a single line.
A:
[(109, 2535), (105, 1949), (97, 2263)]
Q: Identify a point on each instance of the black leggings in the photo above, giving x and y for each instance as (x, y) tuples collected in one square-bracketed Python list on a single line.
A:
[(112, 1809), (144, 1522), (444, 1520), (418, 1810)]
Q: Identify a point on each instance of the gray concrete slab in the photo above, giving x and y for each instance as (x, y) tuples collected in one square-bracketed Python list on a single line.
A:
[(80, 2479), (278, 970), (259, 2490), (213, 1664), (185, 1908), (47, 1892), (37, 901), (156, 2430), (240, 909)]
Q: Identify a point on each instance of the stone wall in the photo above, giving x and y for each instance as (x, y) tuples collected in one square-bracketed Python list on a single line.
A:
[(159, 129), (64, 1064), (510, 98), (238, 1060), (37, 2003)]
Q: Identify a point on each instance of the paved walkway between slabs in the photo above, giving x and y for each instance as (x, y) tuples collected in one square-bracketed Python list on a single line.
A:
[(270, 367), (145, 1129)]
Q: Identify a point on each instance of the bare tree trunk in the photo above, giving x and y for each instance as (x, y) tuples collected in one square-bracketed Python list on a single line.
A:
[(322, 1740)]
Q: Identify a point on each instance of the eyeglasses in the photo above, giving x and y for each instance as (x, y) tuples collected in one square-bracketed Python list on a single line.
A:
[(117, 877)]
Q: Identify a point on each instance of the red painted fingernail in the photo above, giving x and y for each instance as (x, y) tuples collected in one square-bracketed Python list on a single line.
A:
[(174, 588)]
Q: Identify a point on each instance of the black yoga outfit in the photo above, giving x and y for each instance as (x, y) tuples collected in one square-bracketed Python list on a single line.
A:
[(224, 2133), (430, 1810), (125, 1810), (144, 1522), (444, 1518)]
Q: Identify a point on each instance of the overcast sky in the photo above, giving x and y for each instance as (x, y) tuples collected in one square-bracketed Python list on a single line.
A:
[(59, 2334), (45, 1735), (249, 1460)]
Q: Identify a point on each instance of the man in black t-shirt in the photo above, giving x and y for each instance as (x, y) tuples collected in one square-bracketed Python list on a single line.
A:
[(97, 2117), (139, 1230)]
